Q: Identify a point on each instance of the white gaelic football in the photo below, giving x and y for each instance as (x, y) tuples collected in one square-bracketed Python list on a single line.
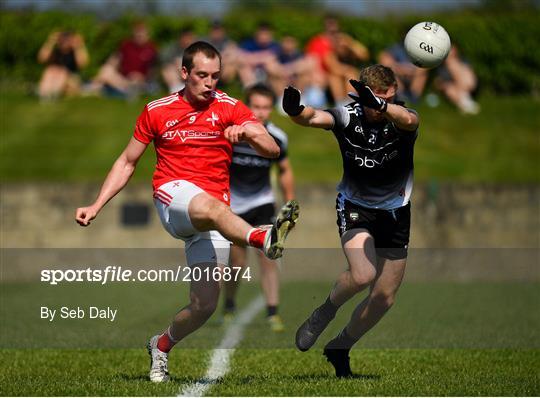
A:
[(427, 44)]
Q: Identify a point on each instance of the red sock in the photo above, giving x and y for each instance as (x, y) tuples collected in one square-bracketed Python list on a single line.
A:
[(165, 343), (255, 237)]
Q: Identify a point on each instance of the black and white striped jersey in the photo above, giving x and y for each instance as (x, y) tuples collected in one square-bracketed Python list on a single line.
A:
[(250, 173), (377, 159)]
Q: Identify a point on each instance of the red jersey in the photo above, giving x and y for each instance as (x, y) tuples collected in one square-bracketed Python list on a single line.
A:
[(137, 58), (190, 143), (319, 46)]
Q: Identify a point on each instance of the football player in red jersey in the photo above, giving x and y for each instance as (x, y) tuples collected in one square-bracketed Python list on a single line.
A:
[(193, 132)]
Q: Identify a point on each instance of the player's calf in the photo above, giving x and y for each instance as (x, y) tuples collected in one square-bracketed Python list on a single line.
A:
[(362, 277), (202, 310), (381, 301)]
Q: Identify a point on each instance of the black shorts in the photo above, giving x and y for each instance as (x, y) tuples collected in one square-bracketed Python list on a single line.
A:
[(261, 215), (390, 228)]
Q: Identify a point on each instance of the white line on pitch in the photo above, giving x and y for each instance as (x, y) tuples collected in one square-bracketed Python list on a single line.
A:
[(219, 363)]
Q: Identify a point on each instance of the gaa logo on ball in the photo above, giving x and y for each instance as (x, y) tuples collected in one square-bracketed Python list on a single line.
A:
[(426, 47), (427, 44)]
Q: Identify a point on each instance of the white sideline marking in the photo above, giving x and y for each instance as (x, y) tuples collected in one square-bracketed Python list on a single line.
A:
[(219, 363)]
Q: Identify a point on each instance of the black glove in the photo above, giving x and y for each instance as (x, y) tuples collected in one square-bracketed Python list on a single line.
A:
[(366, 97), (291, 101)]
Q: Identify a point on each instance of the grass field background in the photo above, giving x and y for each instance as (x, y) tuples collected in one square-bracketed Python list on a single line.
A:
[(441, 338), (78, 140)]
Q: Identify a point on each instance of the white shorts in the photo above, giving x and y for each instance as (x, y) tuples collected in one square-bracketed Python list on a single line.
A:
[(172, 202)]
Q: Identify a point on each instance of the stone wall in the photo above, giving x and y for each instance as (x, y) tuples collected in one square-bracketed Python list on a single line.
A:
[(444, 216)]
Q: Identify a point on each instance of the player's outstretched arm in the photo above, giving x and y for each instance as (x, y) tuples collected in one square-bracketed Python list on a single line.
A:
[(402, 117), (304, 115), (256, 135), (118, 177)]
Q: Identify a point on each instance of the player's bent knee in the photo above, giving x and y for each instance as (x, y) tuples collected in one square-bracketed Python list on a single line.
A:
[(204, 210), (199, 207), (382, 300), (216, 211), (363, 278)]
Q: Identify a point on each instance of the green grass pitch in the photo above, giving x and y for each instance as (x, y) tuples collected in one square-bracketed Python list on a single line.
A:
[(439, 339), (462, 339)]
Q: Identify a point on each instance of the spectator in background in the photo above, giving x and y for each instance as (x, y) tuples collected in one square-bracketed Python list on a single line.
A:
[(259, 59), (171, 59), (327, 47), (301, 71), (64, 54), (456, 79), (411, 79), (128, 72), (350, 51), (228, 49)]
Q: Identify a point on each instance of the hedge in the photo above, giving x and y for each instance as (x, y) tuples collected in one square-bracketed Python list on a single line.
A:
[(503, 49)]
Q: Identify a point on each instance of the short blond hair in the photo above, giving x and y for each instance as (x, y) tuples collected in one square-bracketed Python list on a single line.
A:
[(378, 77)]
